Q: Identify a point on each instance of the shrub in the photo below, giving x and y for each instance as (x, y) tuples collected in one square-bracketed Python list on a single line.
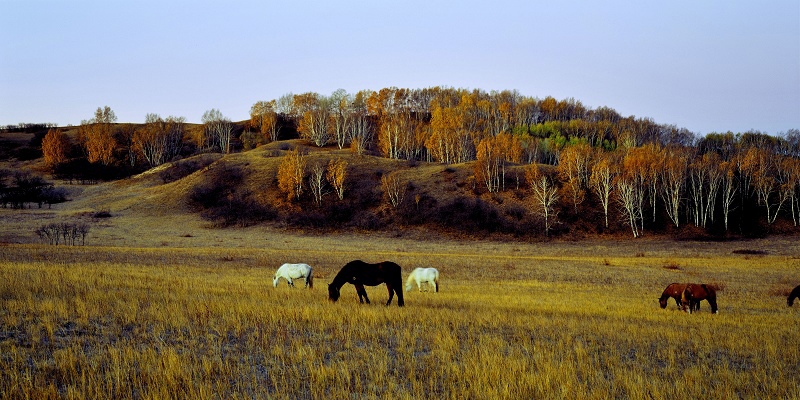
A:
[(63, 233)]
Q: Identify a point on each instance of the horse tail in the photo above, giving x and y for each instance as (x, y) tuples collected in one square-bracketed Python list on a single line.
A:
[(398, 286), (711, 298), (793, 295), (310, 278), (686, 298)]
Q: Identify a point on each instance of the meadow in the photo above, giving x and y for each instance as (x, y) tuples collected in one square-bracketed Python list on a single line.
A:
[(512, 320)]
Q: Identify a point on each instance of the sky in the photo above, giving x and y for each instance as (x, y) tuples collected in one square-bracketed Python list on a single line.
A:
[(707, 66)]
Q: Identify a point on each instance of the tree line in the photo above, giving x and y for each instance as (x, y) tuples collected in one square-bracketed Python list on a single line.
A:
[(19, 189), (631, 166)]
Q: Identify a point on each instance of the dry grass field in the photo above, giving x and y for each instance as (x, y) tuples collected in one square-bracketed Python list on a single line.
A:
[(512, 320), (160, 305)]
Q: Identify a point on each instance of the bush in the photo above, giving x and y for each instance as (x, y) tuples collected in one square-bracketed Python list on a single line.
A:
[(63, 233)]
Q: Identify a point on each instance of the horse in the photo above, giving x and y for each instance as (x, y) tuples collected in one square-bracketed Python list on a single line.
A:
[(360, 274), (423, 275), (695, 293), (674, 290), (294, 271), (795, 294)]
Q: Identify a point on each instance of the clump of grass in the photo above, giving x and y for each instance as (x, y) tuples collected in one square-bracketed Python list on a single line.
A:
[(102, 214), (717, 285), (671, 265)]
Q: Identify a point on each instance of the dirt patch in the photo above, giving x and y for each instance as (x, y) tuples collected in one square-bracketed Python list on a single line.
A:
[(750, 252)]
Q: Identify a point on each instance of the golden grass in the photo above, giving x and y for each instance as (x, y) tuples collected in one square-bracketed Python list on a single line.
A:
[(511, 321)]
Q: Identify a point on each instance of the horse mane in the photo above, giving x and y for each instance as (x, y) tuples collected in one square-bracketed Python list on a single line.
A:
[(412, 276), (341, 277)]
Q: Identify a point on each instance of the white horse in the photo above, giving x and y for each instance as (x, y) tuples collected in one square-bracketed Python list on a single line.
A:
[(423, 275), (294, 271)]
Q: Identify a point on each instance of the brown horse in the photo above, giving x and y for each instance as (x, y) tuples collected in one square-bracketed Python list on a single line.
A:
[(674, 290), (795, 294), (695, 293), (359, 274)]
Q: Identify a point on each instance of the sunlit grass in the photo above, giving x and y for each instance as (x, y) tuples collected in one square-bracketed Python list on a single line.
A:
[(105, 322)]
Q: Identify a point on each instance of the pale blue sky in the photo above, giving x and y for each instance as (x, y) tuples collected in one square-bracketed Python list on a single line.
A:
[(703, 65)]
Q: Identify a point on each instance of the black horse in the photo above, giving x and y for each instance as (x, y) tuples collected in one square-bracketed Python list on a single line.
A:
[(360, 274), (795, 294)]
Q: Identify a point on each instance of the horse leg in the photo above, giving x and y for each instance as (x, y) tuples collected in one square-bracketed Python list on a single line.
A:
[(362, 294), (391, 293), (400, 301), (291, 283)]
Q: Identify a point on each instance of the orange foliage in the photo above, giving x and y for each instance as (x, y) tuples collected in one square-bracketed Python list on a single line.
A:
[(291, 172), (55, 146)]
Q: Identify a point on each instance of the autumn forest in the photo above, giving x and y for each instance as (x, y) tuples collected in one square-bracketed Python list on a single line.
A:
[(521, 165)]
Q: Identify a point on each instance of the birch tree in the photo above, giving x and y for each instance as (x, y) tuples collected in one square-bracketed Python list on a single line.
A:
[(545, 195), (604, 171), (316, 181), (218, 129), (313, 111), (574, 170), (760, 166), (55, 147), (336, 174), (673, 182), (291, 173), (394, 188), (729, 188), (264, 117), (97, 136)]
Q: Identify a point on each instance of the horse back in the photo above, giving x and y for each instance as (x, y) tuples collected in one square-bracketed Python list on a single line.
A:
[(372, 274), (710, 292), (674, 290), (700, 291)]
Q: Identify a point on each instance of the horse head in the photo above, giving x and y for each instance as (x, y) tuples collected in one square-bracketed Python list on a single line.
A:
[(333, 293), (662, 301)]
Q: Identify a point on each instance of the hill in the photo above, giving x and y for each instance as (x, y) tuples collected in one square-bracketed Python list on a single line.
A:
[(241, 190)]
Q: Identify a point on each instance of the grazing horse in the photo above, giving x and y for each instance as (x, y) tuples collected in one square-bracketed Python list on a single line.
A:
[(423, 275), (360, 274), (695, 293), (674, 290), (795, 294), (294, 271)]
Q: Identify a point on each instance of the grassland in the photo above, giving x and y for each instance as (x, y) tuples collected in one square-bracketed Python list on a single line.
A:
[(513, 320), (161, 305)]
